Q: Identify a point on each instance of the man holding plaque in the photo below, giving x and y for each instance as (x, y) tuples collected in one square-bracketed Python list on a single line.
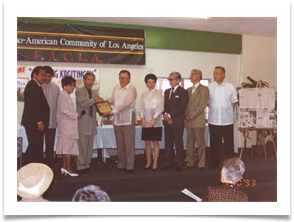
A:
[(86, 98), (124, 99)]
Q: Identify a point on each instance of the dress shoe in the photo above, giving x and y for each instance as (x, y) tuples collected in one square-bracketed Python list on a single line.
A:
[(83, 171), (188, 167), (119, 169), (201, 168), (128, 171), (166, 167), (178, 168), (90, 170)]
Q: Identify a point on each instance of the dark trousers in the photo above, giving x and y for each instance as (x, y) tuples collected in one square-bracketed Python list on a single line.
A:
[(174, 136), (49, 140), (216, 135), (34, 151)]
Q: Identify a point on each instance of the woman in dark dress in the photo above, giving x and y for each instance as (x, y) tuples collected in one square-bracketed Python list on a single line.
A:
[(150, 108)]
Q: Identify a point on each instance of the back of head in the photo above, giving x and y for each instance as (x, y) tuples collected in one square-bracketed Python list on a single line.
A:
[(91, 193), (233, 169)]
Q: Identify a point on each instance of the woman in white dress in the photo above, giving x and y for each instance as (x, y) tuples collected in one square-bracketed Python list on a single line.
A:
[(150, 108), (67, 129)]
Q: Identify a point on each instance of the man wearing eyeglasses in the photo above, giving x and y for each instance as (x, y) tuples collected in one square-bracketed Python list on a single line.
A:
[(195, 121), (175, 103), (123, 98), (86, 97)]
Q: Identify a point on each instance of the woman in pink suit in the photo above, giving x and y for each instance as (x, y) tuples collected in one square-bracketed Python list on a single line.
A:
[(67, 129)]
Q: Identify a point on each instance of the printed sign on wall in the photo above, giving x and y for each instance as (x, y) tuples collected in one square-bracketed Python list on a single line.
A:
[(24, 75)]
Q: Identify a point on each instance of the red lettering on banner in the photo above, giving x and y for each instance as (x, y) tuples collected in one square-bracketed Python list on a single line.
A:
[(52, 57), (95, 58), (21, 70), (80, 58), (37, 55), (65, 57)]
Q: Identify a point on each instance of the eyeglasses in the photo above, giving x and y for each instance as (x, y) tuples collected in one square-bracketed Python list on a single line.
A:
[(123, 78), (171, 79)]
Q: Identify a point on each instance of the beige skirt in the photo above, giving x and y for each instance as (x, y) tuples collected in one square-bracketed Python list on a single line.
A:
[(67, 146)]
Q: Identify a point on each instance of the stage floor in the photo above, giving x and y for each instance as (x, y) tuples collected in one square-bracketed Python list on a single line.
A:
[(260, 181)]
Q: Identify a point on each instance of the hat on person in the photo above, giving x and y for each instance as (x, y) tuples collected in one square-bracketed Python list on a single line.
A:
[(33, 180)]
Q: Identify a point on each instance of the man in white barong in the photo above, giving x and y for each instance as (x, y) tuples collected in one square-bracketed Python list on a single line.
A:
[(123, 98)]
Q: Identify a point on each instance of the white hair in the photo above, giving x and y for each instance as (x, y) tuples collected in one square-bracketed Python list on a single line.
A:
[(233, 169)]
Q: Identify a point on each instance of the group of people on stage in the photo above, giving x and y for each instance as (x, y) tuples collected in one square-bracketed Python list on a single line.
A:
[(45, 107)]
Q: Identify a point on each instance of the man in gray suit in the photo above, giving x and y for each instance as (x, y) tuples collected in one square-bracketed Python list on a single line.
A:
[(86, 97), (195, 121)]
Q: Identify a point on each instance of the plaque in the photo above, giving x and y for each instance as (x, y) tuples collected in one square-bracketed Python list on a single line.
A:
[(103, 107)]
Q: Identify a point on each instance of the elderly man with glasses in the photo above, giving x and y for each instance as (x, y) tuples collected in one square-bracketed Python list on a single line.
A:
[(123, 98), (175, 103)]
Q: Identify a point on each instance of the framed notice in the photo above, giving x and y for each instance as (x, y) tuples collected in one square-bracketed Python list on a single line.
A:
[(257, 108)]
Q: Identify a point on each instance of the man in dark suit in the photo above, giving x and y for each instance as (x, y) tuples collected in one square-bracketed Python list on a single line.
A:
[(175, 103), (35, 117)]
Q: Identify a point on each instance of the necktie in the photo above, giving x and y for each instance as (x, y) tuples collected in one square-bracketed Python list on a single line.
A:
[(171, 95), (90, 97), (193, 89)]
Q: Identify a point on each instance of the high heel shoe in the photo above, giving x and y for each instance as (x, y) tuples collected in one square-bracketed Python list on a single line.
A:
[(154, 170), (62, 171), (68, 173), (147, 168)]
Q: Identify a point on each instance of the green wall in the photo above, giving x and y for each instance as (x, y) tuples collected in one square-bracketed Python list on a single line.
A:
[(167, 38)]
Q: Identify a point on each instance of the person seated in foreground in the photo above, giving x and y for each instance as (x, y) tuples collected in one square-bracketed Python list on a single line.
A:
[(232, 172), (33, 180), (91, 193)]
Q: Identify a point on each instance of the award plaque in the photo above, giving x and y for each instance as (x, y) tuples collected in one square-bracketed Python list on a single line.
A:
[(103, 107)]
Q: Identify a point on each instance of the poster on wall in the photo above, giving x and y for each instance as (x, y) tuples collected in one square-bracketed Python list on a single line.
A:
[(24, 75), (79, 44), (257, 108)]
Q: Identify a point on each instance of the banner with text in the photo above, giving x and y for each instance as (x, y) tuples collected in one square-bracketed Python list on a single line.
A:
[(24, 76), (79, 44)]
